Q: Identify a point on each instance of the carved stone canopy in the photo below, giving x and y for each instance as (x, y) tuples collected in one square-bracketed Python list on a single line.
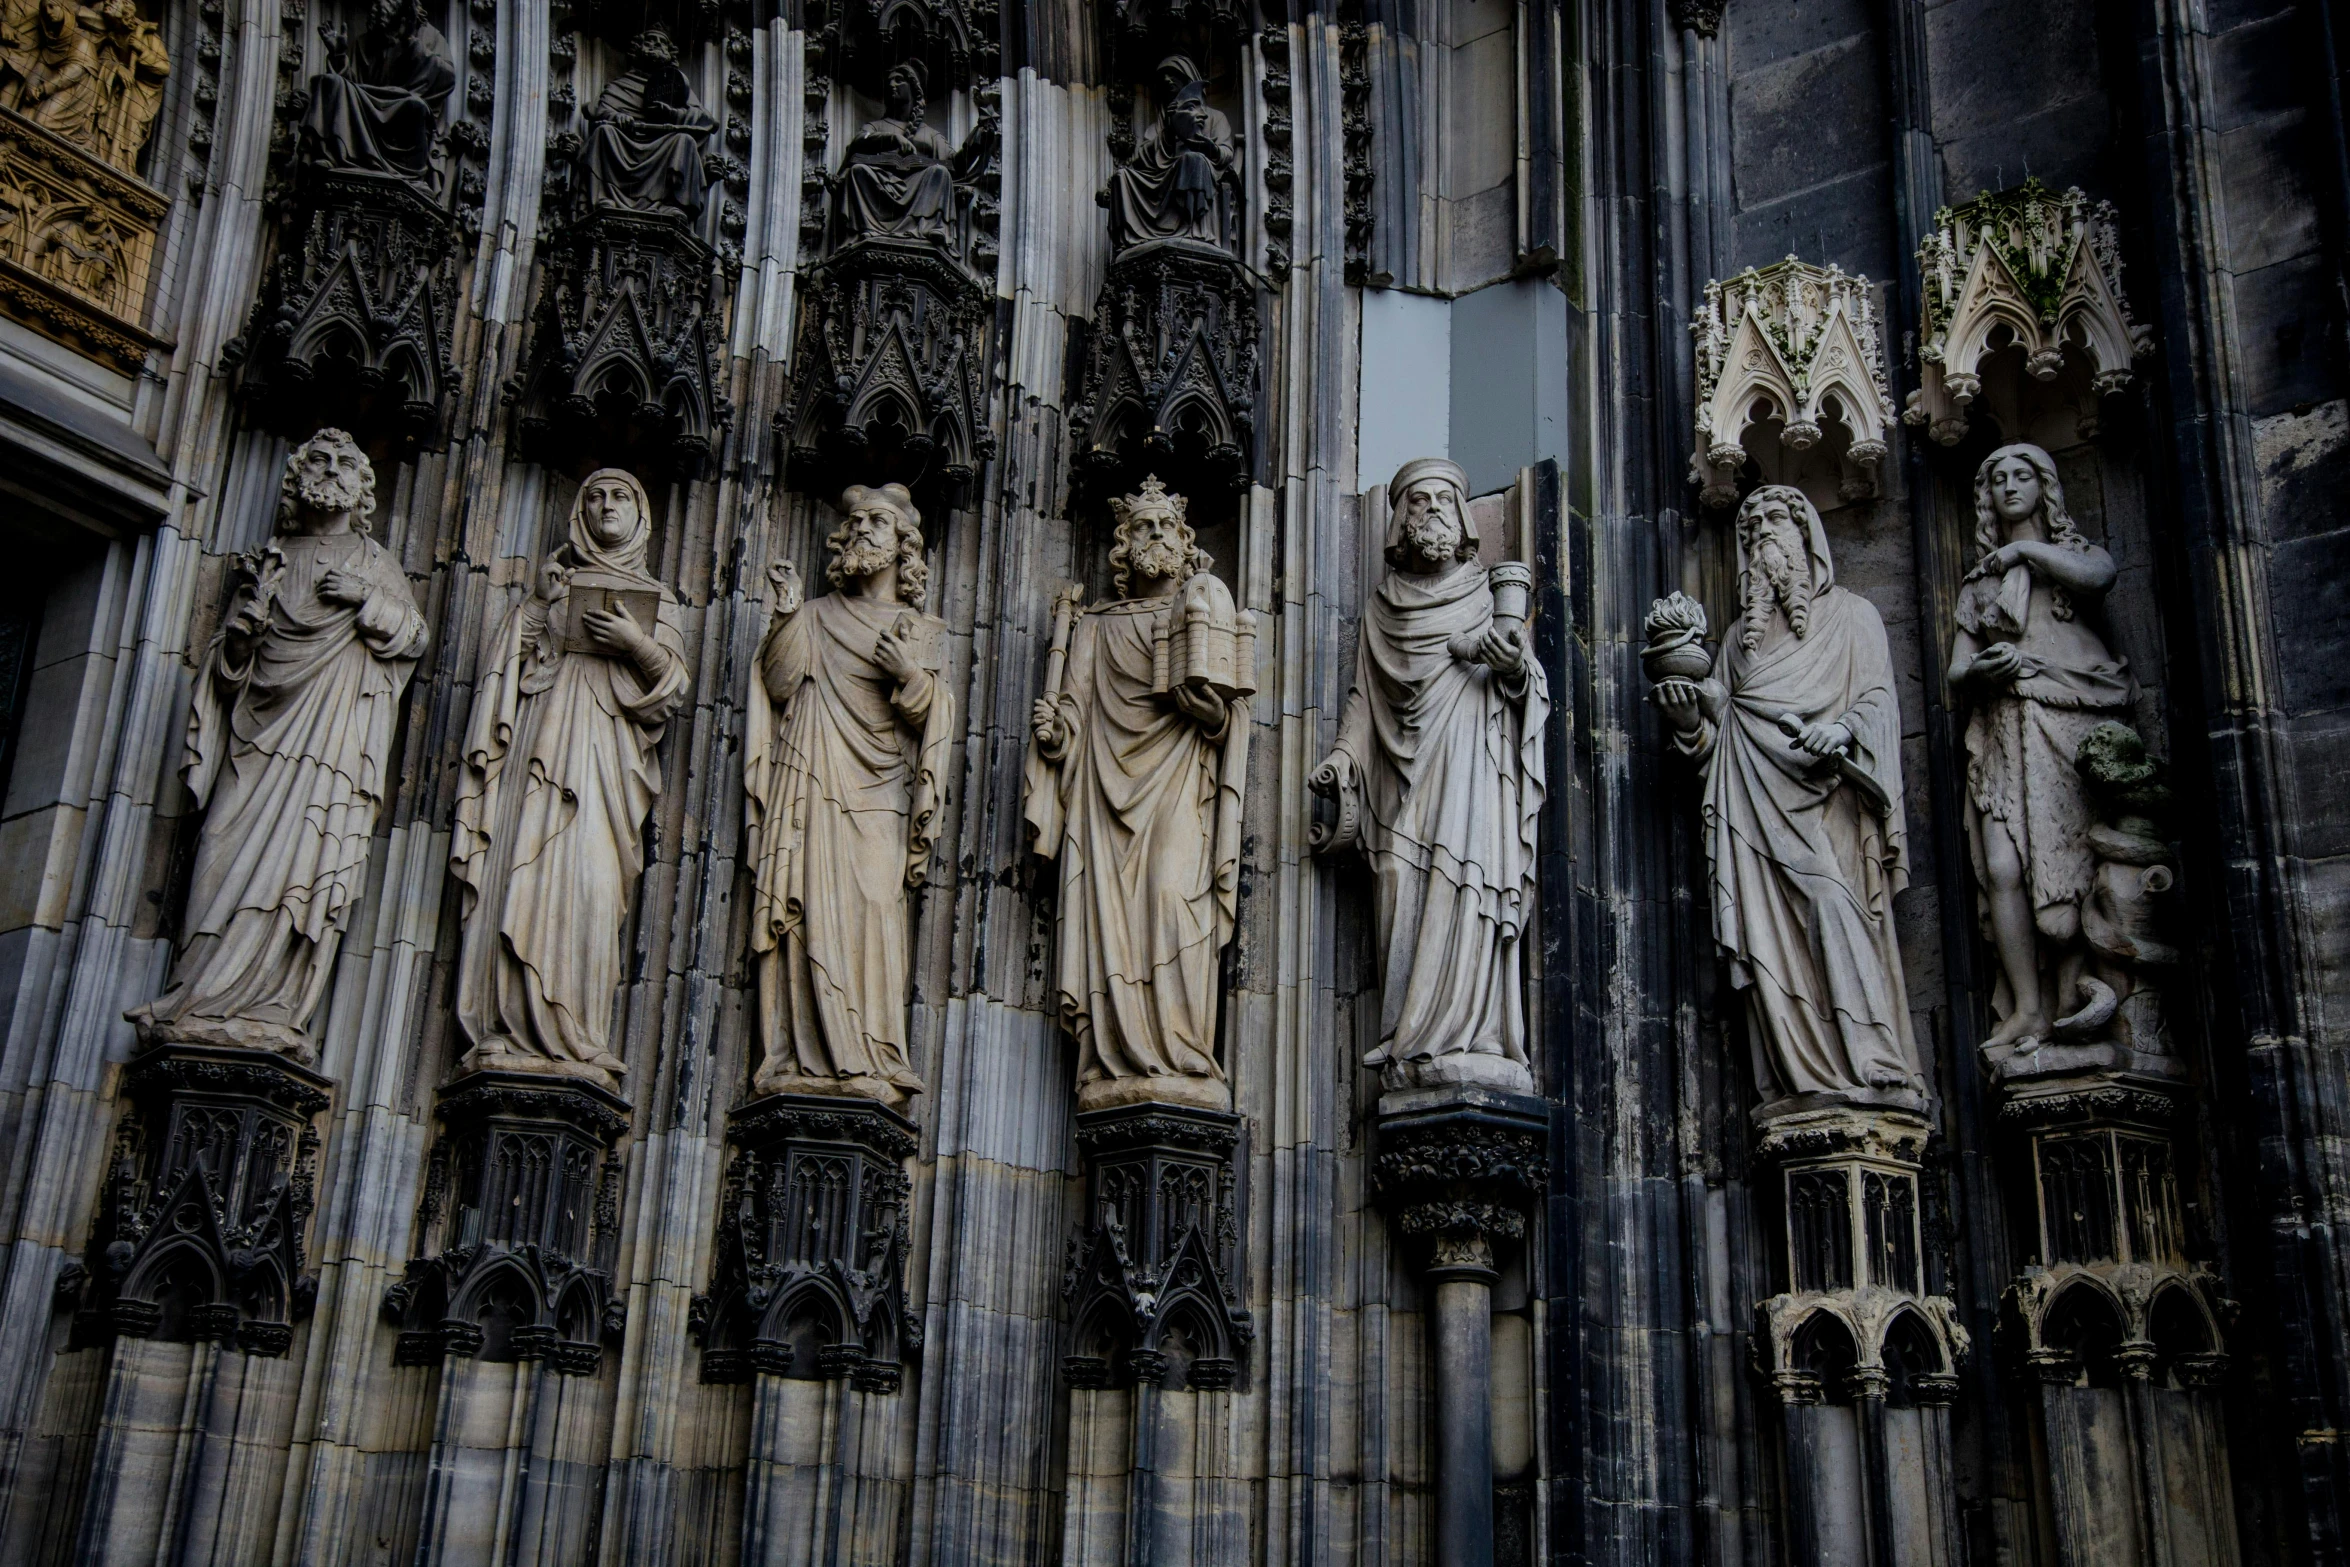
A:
[(1170, 382), (623, 367), (2026, 268), (863, 40), (1143, 32), (1796, 345), (353, 324)]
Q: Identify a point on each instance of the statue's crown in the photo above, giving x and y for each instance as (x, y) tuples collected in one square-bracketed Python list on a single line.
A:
[(1153, 498)]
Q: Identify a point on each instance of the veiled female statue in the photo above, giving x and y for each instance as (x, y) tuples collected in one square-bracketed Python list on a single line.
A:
[(2039, 678), (1179, 181), (559, 776)]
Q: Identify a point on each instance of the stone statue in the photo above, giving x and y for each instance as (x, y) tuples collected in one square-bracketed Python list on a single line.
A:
[(1184, 175), (133, 66), (1801, 741), (898, 178), (1134, 790), (59, 89), (384, 115), (2118, 988), (644, 144), (559, 776), (2039, 678), (289, 739), (1438, 773), (845, 779)]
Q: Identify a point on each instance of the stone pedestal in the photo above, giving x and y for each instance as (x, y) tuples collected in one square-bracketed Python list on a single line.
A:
[(1864, 1360), (2120, 1331), (1157, 1340), (1457, 1168), (514, 1301), (199, 1278)]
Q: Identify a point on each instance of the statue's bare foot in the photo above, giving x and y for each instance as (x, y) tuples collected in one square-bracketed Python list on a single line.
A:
[(2022, 1030)]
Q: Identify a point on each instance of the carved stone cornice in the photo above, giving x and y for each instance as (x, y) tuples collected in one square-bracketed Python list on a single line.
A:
[(1170, 381), (77, 249), (213, 1180), (521, 1220), (1800, 343), (354, 322), (1460, 1164), (1157, 1261), (2028, 267), (623, 363), (809, 1280)]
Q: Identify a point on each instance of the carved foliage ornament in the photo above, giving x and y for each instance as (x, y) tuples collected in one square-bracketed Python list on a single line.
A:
[(2027, 267), (1795, 343)]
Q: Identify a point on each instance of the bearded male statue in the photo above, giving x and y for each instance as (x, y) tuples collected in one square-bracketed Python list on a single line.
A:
[(845, 779), (1134, 791), (1439, 777), (1801, 741), (289, 740)]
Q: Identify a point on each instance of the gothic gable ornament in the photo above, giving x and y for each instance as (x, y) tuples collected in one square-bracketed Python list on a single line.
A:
[(2026, 268), (1798, 344)]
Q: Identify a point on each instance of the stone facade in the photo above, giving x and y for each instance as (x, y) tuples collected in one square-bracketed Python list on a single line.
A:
[(1174, 781)]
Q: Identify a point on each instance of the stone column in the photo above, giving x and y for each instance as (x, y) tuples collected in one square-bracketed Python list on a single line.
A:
[(1863, 1359), (514, 1299), (809, 1294), (1458, 1166), (199, 1279)]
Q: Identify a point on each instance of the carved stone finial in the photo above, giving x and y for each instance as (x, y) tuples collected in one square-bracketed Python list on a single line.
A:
[(2027, 267), (1800, 344)]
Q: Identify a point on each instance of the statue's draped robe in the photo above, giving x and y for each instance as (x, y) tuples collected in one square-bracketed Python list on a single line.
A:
[(641, 164), (1804, 866), (559, 775), (885, 190), (2022, 739), (286, 751), (845, 775), (67, 70), (385, 116), (136, 66), (1142, 814), (1449, 758), (1169, 188)]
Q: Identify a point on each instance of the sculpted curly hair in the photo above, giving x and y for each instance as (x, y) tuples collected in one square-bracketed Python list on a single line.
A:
[(913, 567), (289, 484)]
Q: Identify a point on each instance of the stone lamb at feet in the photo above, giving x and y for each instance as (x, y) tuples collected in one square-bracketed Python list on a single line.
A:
[(1439, 776), (289, 739), (845, 779), (1134, 790), (560, 774), (2040, 679), (1801, 742)]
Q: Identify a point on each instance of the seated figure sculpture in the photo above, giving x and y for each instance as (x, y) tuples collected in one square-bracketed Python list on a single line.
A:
[(898, 177), (645, 136), (382, 115), (1177, 183)]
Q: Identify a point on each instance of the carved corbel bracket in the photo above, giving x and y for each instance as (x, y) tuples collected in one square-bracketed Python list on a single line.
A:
[(1796, 345), (520, 1254), (213, 1179), (1170, 380), (890, 375), (623, 365), (1152, 1281), (1856, 1319), (353, 324), (1459, 1168), (810, 1274), (2027, 268)]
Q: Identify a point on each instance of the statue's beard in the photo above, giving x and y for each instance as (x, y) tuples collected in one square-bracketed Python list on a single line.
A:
[(1771, 579), (329, 492), (1154, 559), (861, 559), (1433, 536)]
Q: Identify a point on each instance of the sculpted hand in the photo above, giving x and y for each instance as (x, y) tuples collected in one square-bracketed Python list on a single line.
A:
[(2000, 661), (784, 578), (337, 39), (891, 655), (1046, 720), (554, 580), (1503, 651), (616, 632), (1824, 739), (1204, 708), (1678, 699), (343, 587), (1999, 561)]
